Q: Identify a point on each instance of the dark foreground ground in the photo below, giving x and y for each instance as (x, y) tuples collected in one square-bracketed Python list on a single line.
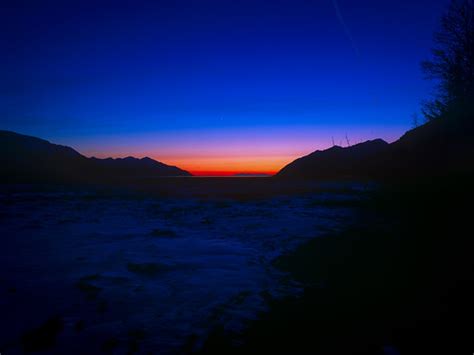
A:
[(399, 281), (158, 266), (151, 267)]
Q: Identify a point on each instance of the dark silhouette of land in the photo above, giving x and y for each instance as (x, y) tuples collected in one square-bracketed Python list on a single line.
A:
[(441, 147), (29, 159), (357, 161)]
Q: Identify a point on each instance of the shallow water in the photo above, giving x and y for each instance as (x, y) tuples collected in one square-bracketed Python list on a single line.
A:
[(156, 273)]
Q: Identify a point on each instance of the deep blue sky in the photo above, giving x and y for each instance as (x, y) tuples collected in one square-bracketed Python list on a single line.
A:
[(109, 76)]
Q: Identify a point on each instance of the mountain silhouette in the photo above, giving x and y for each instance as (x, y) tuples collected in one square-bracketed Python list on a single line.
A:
[(442, 147), (337, 162), (438, 148), (30, 159)]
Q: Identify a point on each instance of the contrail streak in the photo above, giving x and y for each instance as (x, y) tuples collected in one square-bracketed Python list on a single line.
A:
[(345, 27)]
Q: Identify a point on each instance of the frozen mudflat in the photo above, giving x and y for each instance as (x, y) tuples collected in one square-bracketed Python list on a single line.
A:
[(146, 274)]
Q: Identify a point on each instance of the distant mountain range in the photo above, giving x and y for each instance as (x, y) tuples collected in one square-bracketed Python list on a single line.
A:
[(440, 147), (29, 159)]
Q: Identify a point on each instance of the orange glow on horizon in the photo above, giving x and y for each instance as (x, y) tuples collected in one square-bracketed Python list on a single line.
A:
[(219, 152), (230, 173), (219, 166)]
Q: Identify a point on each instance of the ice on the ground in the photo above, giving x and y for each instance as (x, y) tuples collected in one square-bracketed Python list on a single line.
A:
[(169, 270)]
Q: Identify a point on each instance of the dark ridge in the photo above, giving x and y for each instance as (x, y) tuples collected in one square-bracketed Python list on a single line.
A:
[(30, 159), (438, 148), (337, 162)]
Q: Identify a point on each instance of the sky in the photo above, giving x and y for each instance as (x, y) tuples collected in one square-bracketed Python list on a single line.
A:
[(215, 87)]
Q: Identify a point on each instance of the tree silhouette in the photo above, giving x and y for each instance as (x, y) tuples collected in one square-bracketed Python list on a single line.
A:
[(452, 63)]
